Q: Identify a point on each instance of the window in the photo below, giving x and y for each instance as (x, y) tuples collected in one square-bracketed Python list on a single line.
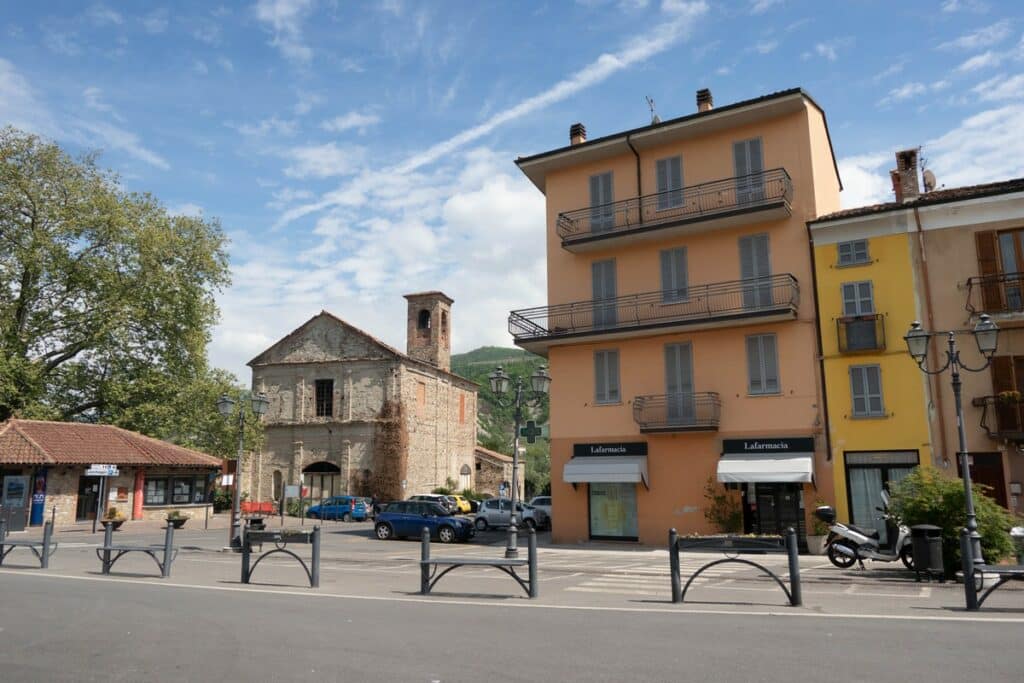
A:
[(673, 275), (670, 182), (858, 298), (762, 364), (866, 390), (324, 397), (756, 271), (423, 322), (853, 253), (602, 213), (748, 165), (181, 493), (168, 490), (602, 274), (606, 377), (156, 492), (1001, 266)]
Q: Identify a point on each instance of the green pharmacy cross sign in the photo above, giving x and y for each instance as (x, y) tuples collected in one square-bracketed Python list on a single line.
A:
[(531, 431)]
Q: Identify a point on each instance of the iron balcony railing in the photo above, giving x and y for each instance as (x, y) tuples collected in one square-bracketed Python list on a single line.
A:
[(720, 301), (1002, 293), (706, 200), (1002, 416), (861, 333), (682, 412)]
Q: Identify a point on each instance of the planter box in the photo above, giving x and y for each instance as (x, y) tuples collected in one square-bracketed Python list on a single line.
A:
[(816, 545)]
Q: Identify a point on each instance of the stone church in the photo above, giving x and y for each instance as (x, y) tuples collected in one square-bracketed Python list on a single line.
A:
[(350, 414)]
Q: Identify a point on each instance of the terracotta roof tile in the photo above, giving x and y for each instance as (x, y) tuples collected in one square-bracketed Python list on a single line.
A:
[(952, 194), (65, 443), (494, 455)]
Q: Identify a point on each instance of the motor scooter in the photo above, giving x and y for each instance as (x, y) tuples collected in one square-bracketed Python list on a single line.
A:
[(847, 543)]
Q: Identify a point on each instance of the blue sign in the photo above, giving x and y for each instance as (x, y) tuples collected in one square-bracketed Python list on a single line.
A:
[(38, 497)]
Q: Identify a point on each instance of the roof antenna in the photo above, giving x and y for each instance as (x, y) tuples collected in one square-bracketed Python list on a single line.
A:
[(650, 105)]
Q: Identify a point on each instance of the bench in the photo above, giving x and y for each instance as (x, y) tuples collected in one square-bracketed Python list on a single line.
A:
[(731, 547), (1005, 572), (430, 566), (281, 538), (255, 512), (43, 549), (167, 551)]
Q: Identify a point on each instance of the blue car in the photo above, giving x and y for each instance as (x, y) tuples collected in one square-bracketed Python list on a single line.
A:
[(345, 508), (408, 517)]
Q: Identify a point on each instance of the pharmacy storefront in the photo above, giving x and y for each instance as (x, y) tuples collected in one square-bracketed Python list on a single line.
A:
[(612, 473)]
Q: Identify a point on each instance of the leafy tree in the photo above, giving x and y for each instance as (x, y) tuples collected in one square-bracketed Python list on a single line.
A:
[(106, 300)]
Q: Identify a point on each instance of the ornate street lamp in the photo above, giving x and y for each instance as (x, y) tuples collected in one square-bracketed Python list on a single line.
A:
[(986, 335), (226, 406), (540, 383)]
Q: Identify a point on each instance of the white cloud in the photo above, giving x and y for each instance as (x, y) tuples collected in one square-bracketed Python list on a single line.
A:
[(18, 104), (101, 15), (190, 209), (1000, 88), (983, 61), (199, 66), (978, 6), (226, 64), (827, 50), (904, 92), (206, 31), (765, 47), (891, 70), (762, 6), (985, 37), (287, 195), (349, 65), (61, 42), (983, 148), (323, 161), (305, 101), (723, 70), (351, 120), (865, 180), (93, 97), (111, 137), (267, 126), (284, 18), (155, 22)]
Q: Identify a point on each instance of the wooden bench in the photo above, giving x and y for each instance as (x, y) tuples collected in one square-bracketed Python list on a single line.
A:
[(167, 551), (43, 549), (429, 566), (731, 547)]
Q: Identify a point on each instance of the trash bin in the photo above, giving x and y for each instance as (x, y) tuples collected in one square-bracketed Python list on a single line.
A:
[(1017, 534), (926, 544)]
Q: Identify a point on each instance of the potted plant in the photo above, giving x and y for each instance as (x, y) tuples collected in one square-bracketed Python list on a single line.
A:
[(113, 517), (819, 530), (1009, 397), (176, 518)]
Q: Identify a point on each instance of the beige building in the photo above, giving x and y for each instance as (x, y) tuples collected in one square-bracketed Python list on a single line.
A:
[(493, 470), (350, 414)]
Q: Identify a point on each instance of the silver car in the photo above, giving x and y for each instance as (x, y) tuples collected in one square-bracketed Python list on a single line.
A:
[(495, 512)]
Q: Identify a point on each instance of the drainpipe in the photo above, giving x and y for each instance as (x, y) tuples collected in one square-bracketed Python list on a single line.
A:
[(820, 379), (936, 396), (637, 155)]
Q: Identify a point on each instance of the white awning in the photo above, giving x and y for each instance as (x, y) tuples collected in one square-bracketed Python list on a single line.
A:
[(622, 469), (742, 468)]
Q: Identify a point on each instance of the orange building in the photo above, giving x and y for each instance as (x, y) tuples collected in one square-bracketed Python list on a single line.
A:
[(680, 325)]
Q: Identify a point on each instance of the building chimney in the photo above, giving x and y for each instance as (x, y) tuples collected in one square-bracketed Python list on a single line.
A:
[(577, 133), (897, 190), (906, 164), (704, 100)]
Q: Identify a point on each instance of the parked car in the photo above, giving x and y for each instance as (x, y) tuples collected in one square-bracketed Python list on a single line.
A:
[(345, 508), (495, 512), (542, 503), (435, 498), (463, 504), (408, 517)]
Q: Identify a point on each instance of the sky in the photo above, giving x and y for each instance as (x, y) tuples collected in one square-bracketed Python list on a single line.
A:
[(354, 152)]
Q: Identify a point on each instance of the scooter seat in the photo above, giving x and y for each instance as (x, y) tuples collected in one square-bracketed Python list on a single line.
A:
[(870, 533)]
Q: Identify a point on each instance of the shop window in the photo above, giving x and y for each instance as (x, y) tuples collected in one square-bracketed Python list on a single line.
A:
[(156, 492), (188, 490)]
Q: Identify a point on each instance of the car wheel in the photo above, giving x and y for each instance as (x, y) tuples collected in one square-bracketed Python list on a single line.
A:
[(480, 524), (446, 534), (384, 531), (346, 517), (531, 524)]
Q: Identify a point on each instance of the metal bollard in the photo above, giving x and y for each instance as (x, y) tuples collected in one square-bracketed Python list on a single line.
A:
[(673, 565), (108, 539), (314, 580), (165, 568), (531, 556), (246, 554), (3, 534), (967, 560), (795, 595), (47, 537), (425, 557)]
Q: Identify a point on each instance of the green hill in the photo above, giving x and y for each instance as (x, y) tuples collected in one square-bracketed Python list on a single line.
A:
[(480, 362)]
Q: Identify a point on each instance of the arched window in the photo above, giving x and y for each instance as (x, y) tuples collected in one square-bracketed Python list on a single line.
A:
[(444, 324), (277, 492), (423, 323)]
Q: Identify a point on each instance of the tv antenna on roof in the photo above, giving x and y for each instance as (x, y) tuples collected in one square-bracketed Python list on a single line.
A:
[(650, 105)]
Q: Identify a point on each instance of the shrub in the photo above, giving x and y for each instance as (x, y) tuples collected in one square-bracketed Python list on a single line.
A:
[(113, 514), (221, 499), (293, 509), (723, 508), (470, 494), (176, 514), (927, 497), (443, 490)]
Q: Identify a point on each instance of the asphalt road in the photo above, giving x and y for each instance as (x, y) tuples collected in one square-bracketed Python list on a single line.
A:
[(55, 628)]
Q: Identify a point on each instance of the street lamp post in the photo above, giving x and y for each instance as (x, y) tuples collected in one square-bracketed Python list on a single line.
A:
[(225, 406), (986, 334), (540, 383)]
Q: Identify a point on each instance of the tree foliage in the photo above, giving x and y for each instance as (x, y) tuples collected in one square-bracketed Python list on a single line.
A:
[(106, 300)]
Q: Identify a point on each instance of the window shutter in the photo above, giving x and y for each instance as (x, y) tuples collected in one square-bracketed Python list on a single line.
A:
[(988, 267), (1002, 374), (739, 156), (746, 257), (845, 253), (600, 377), (771, 365), (663, 175), (595, 190), (672, 369), (754, 152), (761, 255), (866, 305), (849, 300), (675, 173), (754, 365), (681, 273), (613, 375), (668, 285)]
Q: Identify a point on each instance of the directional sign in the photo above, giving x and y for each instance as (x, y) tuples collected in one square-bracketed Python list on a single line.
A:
[(101, 471), (531, 431)]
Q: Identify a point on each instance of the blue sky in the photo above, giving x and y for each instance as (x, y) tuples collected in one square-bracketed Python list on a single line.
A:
[(356, 151)]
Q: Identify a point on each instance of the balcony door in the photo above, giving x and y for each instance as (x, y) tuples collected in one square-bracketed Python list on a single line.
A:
[(679, 402), (755, 270), (602, 213), (748, 165), (1008, 377), (603, 280)]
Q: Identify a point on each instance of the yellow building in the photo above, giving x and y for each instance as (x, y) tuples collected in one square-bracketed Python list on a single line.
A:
[(877, 398)]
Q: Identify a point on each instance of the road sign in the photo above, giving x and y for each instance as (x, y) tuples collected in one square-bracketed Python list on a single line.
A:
[(101, 471), (531, 431)]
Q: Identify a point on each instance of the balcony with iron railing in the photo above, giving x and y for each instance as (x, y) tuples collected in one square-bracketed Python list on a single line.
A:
[(1002, 416), (721, 304), (681, 412), (998, 295), (717, 204), (861, 333)]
